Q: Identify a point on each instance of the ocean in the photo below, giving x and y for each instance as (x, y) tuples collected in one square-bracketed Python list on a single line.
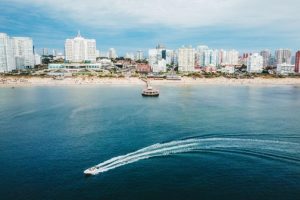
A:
[(192, 142)]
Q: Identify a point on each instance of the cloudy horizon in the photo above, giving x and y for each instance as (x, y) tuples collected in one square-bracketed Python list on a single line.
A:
[(129, 25)]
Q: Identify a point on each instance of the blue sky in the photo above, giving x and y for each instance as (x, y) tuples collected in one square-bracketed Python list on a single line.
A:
[(129, 25)]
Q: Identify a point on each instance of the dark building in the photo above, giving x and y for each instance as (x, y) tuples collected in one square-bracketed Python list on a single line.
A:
[(297, 62)]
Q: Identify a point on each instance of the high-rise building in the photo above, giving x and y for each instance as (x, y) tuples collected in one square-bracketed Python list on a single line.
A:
[(159, 57), (80, 49), (255, 63), (266, 54), (112, 53), (45, 52), (297, 62), (186, 59), (283, 56), (139, 55), (7, 60), (202, 55), (232, 57), (23, 52)]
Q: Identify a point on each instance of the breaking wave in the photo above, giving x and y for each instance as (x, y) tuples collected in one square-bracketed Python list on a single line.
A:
[(279, 149)]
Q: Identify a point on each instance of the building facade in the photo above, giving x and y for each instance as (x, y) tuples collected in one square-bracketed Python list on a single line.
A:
[(283, 56), (80, 49), (186, 59), (266, 54), (23, 52), (7, 60), (285, 69), (255, 63), (297, 62)]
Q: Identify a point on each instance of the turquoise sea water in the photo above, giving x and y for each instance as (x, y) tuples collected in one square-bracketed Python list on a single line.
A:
[(193, 142)]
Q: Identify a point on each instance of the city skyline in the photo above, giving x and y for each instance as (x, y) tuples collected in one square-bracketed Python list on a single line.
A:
[(127, 27)]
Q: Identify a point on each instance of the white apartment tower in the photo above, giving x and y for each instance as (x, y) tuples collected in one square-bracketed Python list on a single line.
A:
[(112, 53), (23, 52), (80, 49), (255, 63), (7, 61), (186, 59)]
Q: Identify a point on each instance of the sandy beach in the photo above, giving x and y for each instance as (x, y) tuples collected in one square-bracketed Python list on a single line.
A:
[(86, 81)]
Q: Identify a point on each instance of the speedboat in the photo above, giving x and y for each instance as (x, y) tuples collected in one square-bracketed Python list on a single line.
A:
[(150, 92), (91, 171)]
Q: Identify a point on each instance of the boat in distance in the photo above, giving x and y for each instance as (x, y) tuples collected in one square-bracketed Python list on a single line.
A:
[(91, 171), (150, 92)]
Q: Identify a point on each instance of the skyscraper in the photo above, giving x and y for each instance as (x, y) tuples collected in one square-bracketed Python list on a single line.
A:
[(186, 59), (80, 49), (297, 62), (266, 54), (7, 60), (283, 56), (23, 52)]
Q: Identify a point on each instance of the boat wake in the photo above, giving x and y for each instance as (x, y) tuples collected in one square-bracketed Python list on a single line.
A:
[(286, 150)]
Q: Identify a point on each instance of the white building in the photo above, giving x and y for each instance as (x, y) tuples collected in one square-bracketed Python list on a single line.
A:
[(112, 53), (23, 51), (229, 69), (186, 59), (160, 66), (255, 63), (159, 58), (37, 59), (80, 49), (285, 69), (230, 57), (7, 60)]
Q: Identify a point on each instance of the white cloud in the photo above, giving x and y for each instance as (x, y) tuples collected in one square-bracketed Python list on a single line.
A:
[(172, 13)]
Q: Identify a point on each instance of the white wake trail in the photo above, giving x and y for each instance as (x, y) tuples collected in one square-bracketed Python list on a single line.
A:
[(189, 145)]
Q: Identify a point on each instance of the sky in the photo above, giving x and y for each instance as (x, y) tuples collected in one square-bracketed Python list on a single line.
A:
[(130, 25)]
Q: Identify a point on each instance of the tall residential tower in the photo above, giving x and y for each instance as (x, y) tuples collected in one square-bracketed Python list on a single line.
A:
[(80, 49)]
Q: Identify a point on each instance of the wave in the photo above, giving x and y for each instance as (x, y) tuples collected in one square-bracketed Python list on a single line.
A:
[(279, 149)]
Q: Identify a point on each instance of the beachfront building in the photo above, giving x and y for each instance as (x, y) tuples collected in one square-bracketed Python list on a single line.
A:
[(297, 62), (7, 60), (283, 56), (266, 54), (228, 69), (207, 57), (255, 63), (186, 59), (230, 57), (285, 69), (80, 49), (160, 66), (23, 52), (159, 58), (75, 67)]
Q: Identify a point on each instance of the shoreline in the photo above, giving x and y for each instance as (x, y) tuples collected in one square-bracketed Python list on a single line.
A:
[(185, 81)]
